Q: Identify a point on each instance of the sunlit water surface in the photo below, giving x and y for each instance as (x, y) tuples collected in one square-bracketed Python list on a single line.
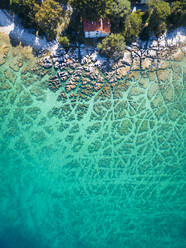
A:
[(106, 172)]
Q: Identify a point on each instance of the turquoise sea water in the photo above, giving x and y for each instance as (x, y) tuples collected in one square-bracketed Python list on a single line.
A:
[(102, 172)]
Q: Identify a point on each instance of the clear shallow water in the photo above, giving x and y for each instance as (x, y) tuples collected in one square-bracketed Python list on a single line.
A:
[(108, 171)]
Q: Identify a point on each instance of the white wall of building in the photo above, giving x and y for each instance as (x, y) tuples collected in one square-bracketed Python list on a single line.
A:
[(95, 34), (143, 1)]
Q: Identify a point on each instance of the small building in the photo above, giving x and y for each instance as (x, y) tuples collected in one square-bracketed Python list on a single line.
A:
[(140, 5), (96, 29)]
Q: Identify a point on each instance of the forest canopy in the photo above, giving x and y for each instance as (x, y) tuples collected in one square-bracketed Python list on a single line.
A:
[(52, 18)]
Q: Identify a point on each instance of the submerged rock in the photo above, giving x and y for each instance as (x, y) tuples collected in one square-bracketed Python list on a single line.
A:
[(4, 86), (10, 75), (33, 112), (125, 127), (152, 90), (164, 74), (38, 137), (4, 49), (25, 100), (14, 65)]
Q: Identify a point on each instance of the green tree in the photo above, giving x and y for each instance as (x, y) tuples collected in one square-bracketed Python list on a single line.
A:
[(178, 14), (112, 46), (24, 8), (158, 13), (92, 9), (118, 11), (64, 1), (47, 17), (22, 5), (133, 26)]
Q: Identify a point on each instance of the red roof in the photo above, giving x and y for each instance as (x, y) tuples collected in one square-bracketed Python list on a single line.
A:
[(98, 25)]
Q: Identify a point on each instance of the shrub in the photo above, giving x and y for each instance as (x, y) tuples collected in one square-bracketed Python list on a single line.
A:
[(64, 41)]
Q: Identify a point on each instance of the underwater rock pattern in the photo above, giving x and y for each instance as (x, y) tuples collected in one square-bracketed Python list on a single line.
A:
[(99, 165)]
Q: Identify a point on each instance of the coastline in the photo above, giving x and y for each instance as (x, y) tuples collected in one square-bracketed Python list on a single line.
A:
[(11, 25), (153, 55)]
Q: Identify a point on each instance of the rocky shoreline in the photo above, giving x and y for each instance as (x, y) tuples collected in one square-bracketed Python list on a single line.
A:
[(153, 56), (82, 72)]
